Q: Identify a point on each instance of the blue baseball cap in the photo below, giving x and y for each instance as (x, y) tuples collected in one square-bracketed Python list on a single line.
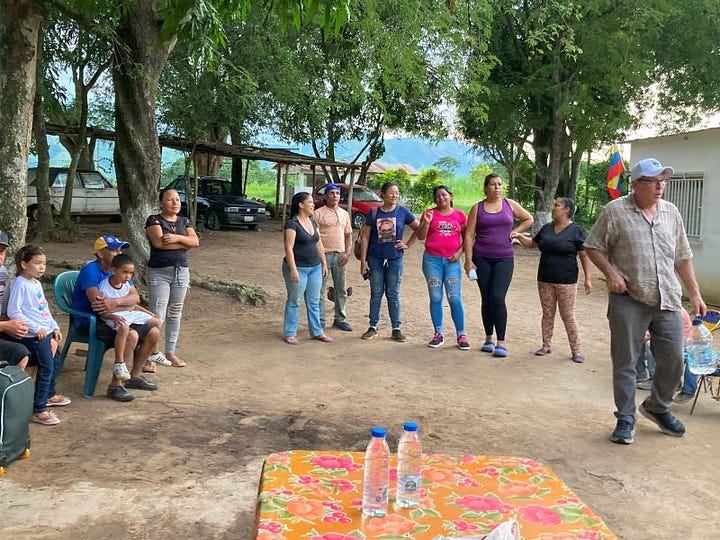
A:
[(4, 239), (111, 242), (332, 187)]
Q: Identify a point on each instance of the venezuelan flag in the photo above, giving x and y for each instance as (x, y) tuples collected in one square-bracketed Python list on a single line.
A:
[(615, 185)]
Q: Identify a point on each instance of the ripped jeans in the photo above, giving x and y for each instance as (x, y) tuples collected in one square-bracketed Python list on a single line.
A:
[(167, 287), (441, 272)]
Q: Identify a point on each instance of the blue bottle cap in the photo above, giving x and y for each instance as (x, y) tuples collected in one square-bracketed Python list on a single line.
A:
[(378, 432), (697, 321), (410, 426)]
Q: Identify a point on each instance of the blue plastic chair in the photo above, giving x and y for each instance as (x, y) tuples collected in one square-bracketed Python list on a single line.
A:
[(63, 290)]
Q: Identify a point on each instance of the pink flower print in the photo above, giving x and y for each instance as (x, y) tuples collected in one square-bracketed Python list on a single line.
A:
[(467, 458), (332, 536), (335, 462), (279, 458), (393, 474), (589, 535), (488, 471), (271, 526), (469, 482), (483, 504), (540, 514), (341, 484), (464, 526)]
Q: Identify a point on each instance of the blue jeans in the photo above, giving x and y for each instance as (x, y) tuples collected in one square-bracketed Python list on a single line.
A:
[(307, 286), (385, 278), (167, 287), (441, 272), (689, 381), (40, 354), (645, 367)]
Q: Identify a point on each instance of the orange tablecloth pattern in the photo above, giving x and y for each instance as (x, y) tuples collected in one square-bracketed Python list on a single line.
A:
[(318, 496)]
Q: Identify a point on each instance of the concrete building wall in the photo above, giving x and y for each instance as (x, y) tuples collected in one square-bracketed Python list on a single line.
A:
[(695, 152)]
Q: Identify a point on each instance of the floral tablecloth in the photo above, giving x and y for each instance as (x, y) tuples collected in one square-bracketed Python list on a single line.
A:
[(318, 496)]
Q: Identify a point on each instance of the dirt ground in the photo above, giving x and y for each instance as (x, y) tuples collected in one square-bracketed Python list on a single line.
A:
[(184, 462)]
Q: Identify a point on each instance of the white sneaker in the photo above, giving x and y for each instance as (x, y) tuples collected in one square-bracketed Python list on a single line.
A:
[(159, 358), (121, 371)]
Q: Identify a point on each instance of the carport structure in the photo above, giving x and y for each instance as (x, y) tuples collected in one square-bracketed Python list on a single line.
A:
[(283, 157)]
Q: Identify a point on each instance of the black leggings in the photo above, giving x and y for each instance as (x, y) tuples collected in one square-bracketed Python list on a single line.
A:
[(494, 276)]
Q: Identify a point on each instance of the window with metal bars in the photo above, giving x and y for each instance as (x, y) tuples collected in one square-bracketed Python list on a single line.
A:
[(685, 190)]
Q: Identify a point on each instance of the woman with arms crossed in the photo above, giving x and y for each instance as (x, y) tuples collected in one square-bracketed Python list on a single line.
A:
[(168, 272)]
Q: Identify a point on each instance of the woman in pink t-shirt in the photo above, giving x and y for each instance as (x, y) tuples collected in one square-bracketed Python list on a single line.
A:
[(443, 228)]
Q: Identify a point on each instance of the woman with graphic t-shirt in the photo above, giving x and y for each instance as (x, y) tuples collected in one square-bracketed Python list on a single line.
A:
[(560, 243), (382, 249), (168, 272), (443, 228), (489, 251)]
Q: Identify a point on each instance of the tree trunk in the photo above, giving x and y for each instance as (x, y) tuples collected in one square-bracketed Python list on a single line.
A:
[(236, 176), (19, 26), (85, 161), (139, 57), (43, 211), (571, 190), (541, 143)]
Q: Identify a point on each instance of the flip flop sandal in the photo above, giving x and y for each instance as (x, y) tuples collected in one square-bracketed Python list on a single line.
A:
[(176, 362), (542, 351), (149, 367), (60, 401), (46, 418), (488, 346)]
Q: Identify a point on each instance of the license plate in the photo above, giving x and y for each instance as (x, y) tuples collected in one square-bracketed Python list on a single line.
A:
[(249, 218)]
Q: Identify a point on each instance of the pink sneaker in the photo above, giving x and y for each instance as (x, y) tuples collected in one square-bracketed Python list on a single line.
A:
[(462, 343)]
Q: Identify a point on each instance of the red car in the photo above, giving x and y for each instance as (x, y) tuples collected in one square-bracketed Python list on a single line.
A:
[(364, 200)]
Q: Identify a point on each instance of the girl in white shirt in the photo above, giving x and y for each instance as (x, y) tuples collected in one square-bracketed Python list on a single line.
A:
[(27, 303)]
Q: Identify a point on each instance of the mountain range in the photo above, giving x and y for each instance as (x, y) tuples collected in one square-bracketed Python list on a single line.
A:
[(419, 153)]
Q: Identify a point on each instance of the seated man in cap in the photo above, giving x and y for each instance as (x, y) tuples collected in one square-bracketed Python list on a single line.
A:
[(10, 330), (86, 297)]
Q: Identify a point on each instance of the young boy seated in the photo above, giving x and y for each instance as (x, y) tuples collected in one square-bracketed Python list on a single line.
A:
[(140, 319)]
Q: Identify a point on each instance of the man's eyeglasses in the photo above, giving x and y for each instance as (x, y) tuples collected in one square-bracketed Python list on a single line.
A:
[(657, 182)]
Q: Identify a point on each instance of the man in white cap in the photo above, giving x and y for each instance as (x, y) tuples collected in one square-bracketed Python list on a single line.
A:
[(639, 243), (336, 236), (12, 329), (86, 298)]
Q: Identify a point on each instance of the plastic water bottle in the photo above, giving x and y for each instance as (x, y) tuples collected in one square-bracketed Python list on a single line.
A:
[(377, 474), (700, 357), (409, 468)]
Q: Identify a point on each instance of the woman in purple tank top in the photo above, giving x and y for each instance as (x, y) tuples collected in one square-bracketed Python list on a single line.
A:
[(489, 255)]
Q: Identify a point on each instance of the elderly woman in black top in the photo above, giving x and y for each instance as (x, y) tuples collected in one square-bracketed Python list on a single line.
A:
[(303, 269), (561, 243)]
